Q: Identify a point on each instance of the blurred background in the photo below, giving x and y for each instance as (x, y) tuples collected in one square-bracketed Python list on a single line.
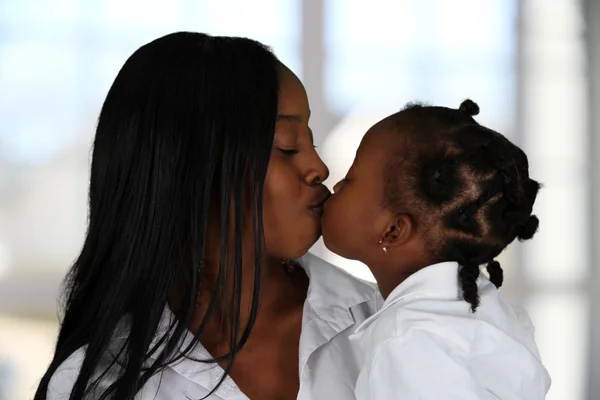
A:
[(532, 65)]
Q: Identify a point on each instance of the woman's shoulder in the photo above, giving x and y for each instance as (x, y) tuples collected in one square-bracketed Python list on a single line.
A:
[(64, 378), (62, 381)]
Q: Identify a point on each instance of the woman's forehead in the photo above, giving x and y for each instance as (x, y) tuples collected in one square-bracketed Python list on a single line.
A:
[(293, 100)]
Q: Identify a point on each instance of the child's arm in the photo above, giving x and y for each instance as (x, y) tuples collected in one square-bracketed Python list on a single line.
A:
[(418, 366)]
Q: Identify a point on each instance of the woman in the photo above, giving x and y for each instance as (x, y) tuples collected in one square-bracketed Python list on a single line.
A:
[(204, 178)]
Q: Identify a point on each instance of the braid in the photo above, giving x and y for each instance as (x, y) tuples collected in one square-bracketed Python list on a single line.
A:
[(468, 275), (495, 272), (470, 187)]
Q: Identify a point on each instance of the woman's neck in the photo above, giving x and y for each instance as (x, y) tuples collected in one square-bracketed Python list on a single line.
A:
[(280, 291)]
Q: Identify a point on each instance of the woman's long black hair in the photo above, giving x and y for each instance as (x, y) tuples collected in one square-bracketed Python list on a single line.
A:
[(188, 115)]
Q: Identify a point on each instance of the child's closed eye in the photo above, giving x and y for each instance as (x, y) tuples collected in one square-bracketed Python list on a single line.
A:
[(338, 186)]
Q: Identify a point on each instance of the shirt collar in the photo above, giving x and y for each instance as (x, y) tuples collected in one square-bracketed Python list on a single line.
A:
[(438, 280), (331, 293), (207, 375), (332, 290)]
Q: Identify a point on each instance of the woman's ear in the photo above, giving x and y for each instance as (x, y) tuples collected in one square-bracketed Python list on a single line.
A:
[(398, 231)]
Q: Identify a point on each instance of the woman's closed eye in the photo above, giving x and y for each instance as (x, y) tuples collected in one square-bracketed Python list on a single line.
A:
[(288, 152), (291, 151)]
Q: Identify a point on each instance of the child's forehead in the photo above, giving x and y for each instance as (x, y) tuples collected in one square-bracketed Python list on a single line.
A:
[(380, 139)]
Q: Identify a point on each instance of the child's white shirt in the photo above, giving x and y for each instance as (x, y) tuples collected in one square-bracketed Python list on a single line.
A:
[(426, 344)]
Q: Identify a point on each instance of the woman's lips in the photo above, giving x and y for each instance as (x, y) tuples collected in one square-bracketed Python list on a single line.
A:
[(321, 198)]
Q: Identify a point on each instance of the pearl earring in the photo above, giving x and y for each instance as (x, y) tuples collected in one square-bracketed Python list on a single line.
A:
[(384, 249)]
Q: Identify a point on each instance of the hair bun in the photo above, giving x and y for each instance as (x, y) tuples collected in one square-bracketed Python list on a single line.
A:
[(469, 107), (529, 228)]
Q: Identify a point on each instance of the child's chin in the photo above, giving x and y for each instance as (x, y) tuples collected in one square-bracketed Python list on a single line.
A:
[(330, 239), (326, 238)]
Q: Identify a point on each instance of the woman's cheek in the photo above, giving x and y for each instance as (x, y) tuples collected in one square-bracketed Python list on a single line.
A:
[(280, 182)]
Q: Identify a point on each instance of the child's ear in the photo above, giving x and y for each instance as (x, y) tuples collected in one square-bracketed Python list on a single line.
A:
[(398, 231)]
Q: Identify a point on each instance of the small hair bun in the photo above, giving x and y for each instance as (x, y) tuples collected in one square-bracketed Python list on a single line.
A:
[(469, 107), (529, 228)]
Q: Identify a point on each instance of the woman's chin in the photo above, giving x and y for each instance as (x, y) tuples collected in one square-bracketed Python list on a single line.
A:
[(299, 247)]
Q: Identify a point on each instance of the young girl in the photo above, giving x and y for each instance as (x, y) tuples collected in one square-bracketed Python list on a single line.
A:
[(432, 196)]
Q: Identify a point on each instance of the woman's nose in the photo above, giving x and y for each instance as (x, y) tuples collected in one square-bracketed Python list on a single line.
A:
[(318, 174)]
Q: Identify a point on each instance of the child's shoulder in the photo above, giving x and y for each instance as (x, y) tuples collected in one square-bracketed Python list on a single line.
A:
[(453, 322), (437, 317), (421, 312)]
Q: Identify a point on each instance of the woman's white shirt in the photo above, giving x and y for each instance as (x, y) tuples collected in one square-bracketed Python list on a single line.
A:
[(329, 362)]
